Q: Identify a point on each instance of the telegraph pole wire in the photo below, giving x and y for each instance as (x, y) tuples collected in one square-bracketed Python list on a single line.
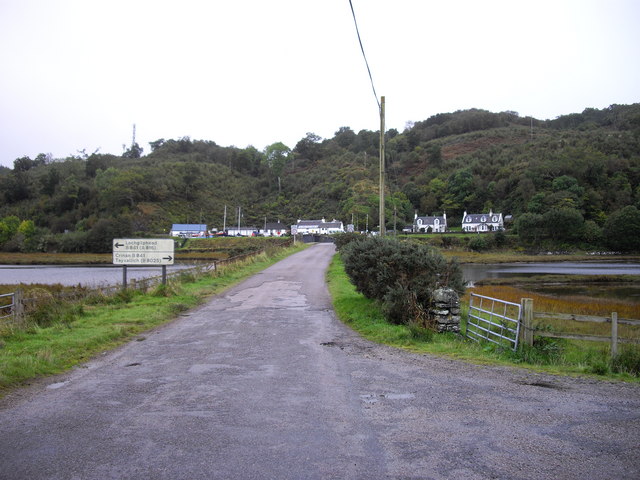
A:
[(355, 22), (381, 109)]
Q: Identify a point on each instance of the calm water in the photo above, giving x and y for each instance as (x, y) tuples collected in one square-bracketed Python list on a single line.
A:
[(88, 276), (474, 273)]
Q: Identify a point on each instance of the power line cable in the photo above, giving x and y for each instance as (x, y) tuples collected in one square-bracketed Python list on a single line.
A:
[(363, 54)]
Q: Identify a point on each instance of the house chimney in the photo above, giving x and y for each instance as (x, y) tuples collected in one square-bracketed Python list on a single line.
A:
[(415, 215)]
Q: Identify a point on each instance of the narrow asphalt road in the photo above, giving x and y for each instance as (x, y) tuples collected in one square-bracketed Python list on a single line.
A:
[(264, 383)]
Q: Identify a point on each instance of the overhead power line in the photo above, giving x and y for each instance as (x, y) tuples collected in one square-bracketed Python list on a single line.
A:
[(363, 54)]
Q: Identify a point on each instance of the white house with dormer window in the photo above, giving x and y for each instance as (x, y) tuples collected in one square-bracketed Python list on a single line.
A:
[(430, 224), (482, 222)]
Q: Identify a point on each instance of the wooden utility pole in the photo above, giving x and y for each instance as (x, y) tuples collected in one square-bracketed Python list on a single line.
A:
[(224, 220), (382, 220)]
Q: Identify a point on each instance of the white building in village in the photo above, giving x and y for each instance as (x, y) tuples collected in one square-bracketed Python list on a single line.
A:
[(482, 222), (318, 226), (242, 231), (433, 224), (274, 229)]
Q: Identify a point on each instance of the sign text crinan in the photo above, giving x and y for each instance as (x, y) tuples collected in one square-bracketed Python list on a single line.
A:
[(143, 251)]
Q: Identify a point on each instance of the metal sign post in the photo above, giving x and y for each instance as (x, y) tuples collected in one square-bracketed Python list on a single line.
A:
[(143, 251)]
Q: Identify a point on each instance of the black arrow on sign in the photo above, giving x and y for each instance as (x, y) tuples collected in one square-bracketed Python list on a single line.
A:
[(118, 245), (168, 258)]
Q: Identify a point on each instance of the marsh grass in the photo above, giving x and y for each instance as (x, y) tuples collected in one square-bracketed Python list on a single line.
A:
[(578, 305)]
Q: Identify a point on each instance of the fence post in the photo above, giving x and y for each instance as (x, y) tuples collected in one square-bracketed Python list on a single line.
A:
[(526, 329), (614, 334), (18, 306), (124, 277)]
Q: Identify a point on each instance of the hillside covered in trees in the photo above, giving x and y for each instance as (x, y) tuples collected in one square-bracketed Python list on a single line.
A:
[(572, 179)]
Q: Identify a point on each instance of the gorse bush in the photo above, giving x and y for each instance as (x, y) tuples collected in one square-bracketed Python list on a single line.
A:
[(342, 239), (401, 275)]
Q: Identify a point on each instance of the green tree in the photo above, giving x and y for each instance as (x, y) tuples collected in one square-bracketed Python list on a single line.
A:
[(27, 228), (276, 157), (459, 189), (155, 145), (434, 198), (563, 224), (344, 137), (622, 230), (435, 154), (309, 147), (22, 164), (530, 228), (134, 151)]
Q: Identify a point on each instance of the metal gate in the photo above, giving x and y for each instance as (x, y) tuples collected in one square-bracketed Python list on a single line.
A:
[(494, 320), (7, 306)]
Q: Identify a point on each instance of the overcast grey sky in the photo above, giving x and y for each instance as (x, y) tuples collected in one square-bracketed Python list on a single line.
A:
[(77, 74)]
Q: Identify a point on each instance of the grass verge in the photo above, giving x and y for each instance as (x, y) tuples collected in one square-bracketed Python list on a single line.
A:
[(75, 332), (553, 356)]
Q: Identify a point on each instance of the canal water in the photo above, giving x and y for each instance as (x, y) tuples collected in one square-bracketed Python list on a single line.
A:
[(476, 272), (85, 275), (627, 291)]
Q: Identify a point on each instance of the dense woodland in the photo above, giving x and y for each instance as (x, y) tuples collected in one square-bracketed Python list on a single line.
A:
[(572, 181)]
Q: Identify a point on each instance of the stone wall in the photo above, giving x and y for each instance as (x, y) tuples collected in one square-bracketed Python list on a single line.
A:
[(446, 310)]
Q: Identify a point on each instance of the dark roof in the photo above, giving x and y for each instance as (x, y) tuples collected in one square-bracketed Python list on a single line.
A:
[(482, 217), (429, 220), (308, 223)]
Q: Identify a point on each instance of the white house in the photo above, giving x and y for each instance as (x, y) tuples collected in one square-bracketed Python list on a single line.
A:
[(430, 224), (188, 230), (482, 222), (242, 231), (275, 229), (318, 226)]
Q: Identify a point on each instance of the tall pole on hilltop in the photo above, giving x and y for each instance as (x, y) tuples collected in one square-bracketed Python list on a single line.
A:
[(382, 220)]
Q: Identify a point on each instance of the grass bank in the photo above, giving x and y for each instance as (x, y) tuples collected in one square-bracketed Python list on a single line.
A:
[(62, 335), (553, 356)]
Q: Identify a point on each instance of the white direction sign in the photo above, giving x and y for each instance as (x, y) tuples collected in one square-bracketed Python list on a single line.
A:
[(143, 251)]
